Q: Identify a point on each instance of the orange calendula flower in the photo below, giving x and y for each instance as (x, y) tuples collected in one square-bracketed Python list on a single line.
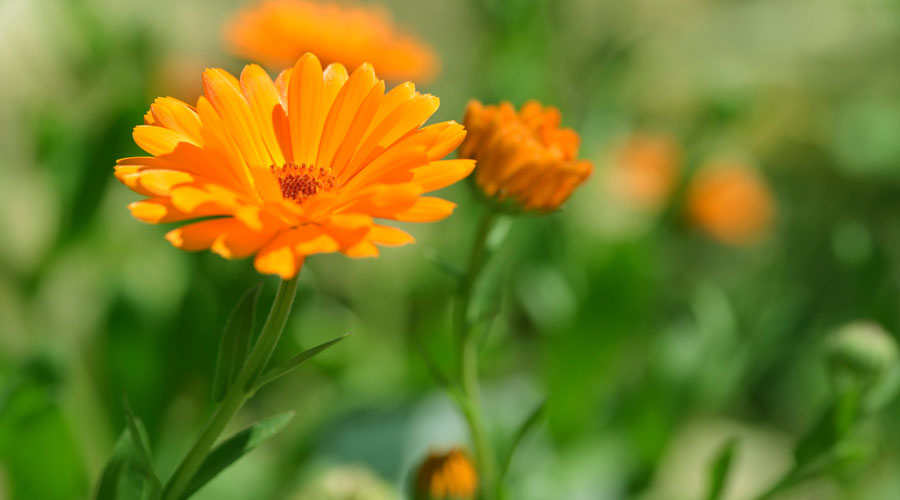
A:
[(294, 167), (646, 169), (523, 157), (276, 32), (446, 476), (730, 202)]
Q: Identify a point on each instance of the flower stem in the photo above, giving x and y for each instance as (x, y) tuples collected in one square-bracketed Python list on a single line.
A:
[(237, 393), (468, 359)]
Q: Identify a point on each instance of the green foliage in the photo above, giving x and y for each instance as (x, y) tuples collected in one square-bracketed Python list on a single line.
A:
[(235, 447), (291, 364), (236, 342), (720, 468)]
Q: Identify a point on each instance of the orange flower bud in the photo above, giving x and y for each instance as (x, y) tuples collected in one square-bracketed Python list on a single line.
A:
[(446, 476)]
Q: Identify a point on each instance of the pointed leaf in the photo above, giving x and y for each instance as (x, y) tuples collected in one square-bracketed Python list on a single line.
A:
[(141, 443), (529, 423), (123, 477), (831, 427), (236, 340), (233, 448), (108, 488), (442, 264), (292, 363), (720, 468)]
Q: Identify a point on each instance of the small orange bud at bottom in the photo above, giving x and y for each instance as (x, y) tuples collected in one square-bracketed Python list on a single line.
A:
[(446, 476)]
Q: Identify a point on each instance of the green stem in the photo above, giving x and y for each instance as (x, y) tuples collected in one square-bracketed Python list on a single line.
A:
[(238, 393), (468, 360)]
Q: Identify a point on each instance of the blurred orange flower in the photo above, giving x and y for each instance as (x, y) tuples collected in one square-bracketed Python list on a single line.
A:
[(646, 170), (276, 32), (446, 476), (523, 157), (731, 202), (297, 166)]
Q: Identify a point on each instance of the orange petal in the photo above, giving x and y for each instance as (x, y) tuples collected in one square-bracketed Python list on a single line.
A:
[(161, 182), (389, 236), (342, 112), (407, 117), (239, 241), (262, 96), (334, 77), (358, 127), (199, 235), (364, 248), (384, 169), (304, 108), (156, 140), (218, 138), (190, 199), (393, 99), (277, 257), (160, 210), (426, 209), (178, 117), (440, 174), (224, 92)]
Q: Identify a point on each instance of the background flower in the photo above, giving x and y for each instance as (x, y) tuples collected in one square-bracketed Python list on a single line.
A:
[(730, 202), (276, 32)]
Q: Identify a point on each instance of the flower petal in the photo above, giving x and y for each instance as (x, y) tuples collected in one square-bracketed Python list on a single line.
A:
[(304, 108)]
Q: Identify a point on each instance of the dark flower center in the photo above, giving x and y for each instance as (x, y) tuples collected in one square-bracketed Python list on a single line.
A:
[(299, 182)]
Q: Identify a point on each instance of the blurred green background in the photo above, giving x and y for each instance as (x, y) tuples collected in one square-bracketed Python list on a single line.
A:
[(653, 343)]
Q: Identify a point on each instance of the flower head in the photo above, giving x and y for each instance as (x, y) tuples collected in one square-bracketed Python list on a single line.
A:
[(730, 202), (646, 169), (276, 32), (294, 167), (523, 157), (446, 476)]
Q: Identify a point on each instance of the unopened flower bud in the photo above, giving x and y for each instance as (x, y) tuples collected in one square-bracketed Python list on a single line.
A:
[(446, 476), (863, 348)]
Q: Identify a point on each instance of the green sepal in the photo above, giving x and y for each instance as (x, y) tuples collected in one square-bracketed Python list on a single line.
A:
[(236, 342)]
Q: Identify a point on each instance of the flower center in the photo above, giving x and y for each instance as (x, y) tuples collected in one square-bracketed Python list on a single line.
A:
[(299, 182)]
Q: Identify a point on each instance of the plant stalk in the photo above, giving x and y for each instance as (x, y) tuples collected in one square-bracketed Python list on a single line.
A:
[(467, 345), (238, 392)]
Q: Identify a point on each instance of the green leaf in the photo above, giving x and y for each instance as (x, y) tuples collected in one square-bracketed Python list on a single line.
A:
[(108, 488), (233, 448), (720, 468), (123, 477), (292, 363), (141, 442), (236, 341), (831, 427), (529, 423), (442, 264)]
